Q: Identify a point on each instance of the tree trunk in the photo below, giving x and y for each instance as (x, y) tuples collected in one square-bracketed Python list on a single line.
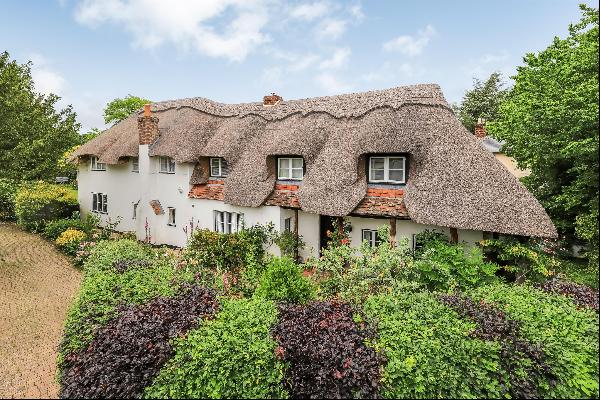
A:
[(393, 231)]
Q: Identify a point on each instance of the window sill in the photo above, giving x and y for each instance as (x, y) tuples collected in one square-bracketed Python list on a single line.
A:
[(98, 170), (166, 173), (100, 212), (173, 225)]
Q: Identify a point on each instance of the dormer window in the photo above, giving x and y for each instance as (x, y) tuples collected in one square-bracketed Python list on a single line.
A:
[(387, 169), (290, 168), (167, 165), (97, 165), (218, 167)]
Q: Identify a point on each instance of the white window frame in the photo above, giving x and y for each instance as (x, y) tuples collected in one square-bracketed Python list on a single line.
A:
[(99, 203), (171, 215), (227, 222), (221, 166), (386, 169), (288, 171), (372, 239), (135, 164), (168, 167), (96, 165)]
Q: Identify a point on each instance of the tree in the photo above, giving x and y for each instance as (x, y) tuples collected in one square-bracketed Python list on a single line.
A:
[(34, 133), (119, 109), (482, 101), (549, 122)]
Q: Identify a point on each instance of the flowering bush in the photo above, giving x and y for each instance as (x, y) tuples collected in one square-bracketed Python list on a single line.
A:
[(69, 240)]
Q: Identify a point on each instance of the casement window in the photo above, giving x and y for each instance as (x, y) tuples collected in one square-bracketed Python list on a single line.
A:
[(371, 236), (135, 206), (228, 222), (135, 164), (290, 168), (387, 169), (218, 167), (99, 203), (167, 165), (97, 165), (287, 224), (171, 216)]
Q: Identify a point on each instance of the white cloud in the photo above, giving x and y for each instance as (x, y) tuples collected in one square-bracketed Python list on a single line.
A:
[(339, 58), (393, 74), (411, 45), (272, 78), (310, 11), (187, 24), (485, 65), (45, 78), (332, 84), (331, 28), (357, 13)]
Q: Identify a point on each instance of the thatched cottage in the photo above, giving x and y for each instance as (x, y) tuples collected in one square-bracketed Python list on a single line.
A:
[(397, 157)]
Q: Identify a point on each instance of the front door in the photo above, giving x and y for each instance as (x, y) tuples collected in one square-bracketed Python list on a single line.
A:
[(326, 224)]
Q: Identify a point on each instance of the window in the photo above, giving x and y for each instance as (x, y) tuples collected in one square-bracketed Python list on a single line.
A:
[(167, 165), (287, 224), (218, 167), (135, 206), (228, 222), (387, 169), (96, 165), (135, 164), (99, 203), (290, 168), (171, 215), (371, 236)]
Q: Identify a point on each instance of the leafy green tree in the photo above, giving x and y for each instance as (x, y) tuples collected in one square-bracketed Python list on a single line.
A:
[(119, 109), (482, 101), (34, 133), (91, 134), (549, 122)]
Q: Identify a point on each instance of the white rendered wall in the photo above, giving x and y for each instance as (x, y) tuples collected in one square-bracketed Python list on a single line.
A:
[(405, 230), (124, 188), (121, 186)]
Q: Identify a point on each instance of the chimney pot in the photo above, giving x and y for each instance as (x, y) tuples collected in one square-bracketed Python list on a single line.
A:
[(147, 111), (480, 128)]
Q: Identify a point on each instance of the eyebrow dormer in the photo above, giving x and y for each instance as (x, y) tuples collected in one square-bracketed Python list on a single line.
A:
[(387, 169)]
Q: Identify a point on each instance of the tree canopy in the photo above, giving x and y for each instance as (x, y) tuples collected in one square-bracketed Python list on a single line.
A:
[(549, 122), (482, 101), (119, 109), (34, 132)]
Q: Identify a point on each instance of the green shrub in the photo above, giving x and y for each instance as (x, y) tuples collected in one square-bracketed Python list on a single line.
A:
[(579, 271), (106, 252), (526, 261), (283, 281), (104, 287), (428, 350), (288, 242), (446, 267), (567, 335), (53, 229), (343, 272), (38, 203), (8, 189), (232, 356), (69, 240)]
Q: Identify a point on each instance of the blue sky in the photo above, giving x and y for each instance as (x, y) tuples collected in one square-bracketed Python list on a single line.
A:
[(90, 52)]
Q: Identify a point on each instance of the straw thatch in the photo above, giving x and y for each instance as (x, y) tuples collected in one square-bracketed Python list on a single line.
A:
[(453, 181)]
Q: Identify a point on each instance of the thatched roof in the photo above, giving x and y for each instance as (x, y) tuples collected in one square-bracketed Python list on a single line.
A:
[(453, 181)]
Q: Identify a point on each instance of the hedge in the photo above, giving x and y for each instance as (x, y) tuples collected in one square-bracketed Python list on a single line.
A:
[(38, 203), (230, 357), (106, 285), (568, 335)]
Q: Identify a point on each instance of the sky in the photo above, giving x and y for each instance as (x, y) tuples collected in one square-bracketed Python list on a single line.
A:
[(92, 51)]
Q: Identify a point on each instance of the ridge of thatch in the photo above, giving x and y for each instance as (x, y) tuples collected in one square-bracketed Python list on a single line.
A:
[(453, 181)]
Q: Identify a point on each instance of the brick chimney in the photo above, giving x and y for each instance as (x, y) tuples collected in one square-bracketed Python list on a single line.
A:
[(271, 100), (147, 127), (480, 128)]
